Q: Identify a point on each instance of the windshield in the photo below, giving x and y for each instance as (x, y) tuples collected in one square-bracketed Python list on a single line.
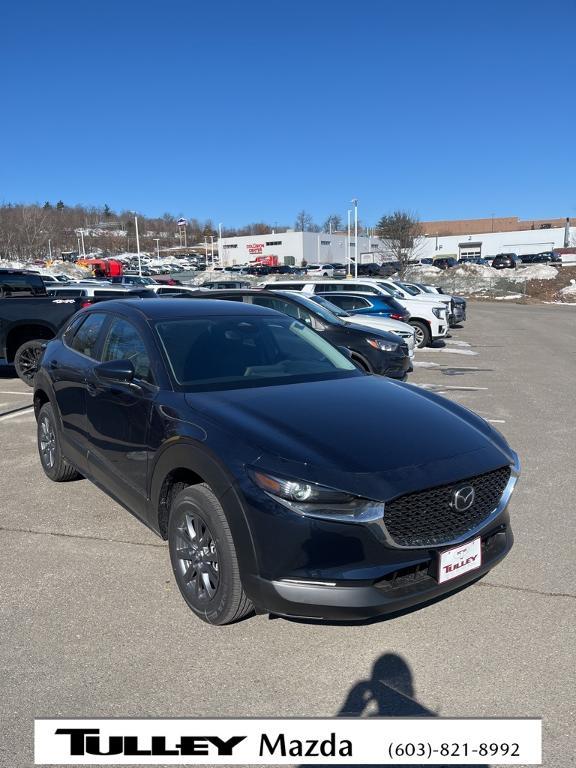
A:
[(330, 307), (396, 292), (206, 353), (411, 289)]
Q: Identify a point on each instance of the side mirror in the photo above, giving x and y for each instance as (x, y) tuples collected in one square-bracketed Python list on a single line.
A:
[(116, 370)]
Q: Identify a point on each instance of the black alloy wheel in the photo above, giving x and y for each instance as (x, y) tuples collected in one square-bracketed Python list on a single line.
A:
[(53, 462), (27, 360), (197, 558), (203, 556)]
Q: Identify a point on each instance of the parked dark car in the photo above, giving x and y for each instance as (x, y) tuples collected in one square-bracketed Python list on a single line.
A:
[(546, 257), (447, 262), (369, 304), (375, 351), (474, 260), (505, 261), (263, 456)]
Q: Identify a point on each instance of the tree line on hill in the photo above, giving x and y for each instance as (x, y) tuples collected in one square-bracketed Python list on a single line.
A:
[(35, 231)]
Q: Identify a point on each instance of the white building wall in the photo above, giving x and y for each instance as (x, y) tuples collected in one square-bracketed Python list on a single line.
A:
[(313, 247), (522, 241)]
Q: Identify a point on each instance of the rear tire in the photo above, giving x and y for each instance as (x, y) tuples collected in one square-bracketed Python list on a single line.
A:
[(27, 359), (203, 557), (423, 335), (53, 463)]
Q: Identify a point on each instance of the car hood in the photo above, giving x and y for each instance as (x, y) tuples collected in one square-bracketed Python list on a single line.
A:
[(365, 434)]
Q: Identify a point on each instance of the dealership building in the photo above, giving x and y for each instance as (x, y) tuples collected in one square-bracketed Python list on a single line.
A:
[(292, 248), (456, 242)]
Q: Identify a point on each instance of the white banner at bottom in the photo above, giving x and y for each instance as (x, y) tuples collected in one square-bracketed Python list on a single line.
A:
[(337, 741)]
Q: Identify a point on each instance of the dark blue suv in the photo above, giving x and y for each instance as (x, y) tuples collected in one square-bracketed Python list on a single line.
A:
[(263, 456)]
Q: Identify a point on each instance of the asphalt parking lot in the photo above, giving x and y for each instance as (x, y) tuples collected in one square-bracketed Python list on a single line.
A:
[(93, 624)]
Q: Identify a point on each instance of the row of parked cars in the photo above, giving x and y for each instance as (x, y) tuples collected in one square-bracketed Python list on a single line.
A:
[(379, 321), (500, 261)]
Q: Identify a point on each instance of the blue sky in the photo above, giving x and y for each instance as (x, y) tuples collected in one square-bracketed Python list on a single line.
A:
[(252, 110)]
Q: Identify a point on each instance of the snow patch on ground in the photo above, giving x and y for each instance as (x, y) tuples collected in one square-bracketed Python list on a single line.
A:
[(569, 292), (509, 297), (458, 351), (424, 364), (457, 343)]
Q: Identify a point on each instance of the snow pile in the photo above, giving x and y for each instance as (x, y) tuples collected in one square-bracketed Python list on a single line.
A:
[(533, 272), (67, 268), (474, 270), (509, 297), (422, 272), (569, 292)]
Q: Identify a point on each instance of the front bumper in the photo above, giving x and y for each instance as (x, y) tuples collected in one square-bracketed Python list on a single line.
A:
[(403, 588), (397, 368)]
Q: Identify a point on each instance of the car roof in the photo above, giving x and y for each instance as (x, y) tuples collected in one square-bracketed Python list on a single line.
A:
[(163, 309)]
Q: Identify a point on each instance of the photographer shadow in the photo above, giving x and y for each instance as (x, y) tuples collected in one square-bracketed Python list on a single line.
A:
[(389, 692)]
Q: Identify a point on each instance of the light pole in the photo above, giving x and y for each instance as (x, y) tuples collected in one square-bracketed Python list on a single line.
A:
[(138, 245), (212, 249), (348, 243), (355, 203), (82, 238), (157, 247), (49, 249), (220, 247)]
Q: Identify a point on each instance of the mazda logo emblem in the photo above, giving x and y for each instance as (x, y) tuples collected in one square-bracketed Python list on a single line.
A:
[(463, 498)]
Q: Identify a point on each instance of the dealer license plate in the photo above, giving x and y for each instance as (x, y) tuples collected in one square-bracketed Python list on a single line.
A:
[(460, 560)]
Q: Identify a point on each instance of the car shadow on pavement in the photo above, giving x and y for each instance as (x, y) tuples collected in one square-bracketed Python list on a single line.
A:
[(388, 692)]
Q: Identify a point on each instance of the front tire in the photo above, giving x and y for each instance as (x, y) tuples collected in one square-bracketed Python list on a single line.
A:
[(53, 463), (204, 558), (27, 360), (423, 337)]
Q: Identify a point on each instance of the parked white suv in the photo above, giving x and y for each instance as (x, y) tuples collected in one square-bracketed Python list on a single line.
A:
[(320, 270), (428, 317)]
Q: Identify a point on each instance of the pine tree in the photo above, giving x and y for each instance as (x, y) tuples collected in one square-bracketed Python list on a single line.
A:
[(60, 205)]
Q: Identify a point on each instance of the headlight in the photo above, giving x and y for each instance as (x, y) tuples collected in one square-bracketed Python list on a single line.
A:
[(313, 500), (438, 312), (385, 346)]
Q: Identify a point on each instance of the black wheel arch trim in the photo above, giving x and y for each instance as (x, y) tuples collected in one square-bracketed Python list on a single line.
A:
[(185, 454)]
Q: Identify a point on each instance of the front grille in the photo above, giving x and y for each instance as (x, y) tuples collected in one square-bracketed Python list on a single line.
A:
[(427, 518)]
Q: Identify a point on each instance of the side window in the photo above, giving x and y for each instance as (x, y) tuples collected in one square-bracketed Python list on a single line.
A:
[(85, 340), (68, 334), (350, 302), (123, 342), (274, 302), (366, 289)]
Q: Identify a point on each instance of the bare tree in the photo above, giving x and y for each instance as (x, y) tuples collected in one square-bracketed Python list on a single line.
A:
[(333, 223), (401, 235), (303, 222)]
